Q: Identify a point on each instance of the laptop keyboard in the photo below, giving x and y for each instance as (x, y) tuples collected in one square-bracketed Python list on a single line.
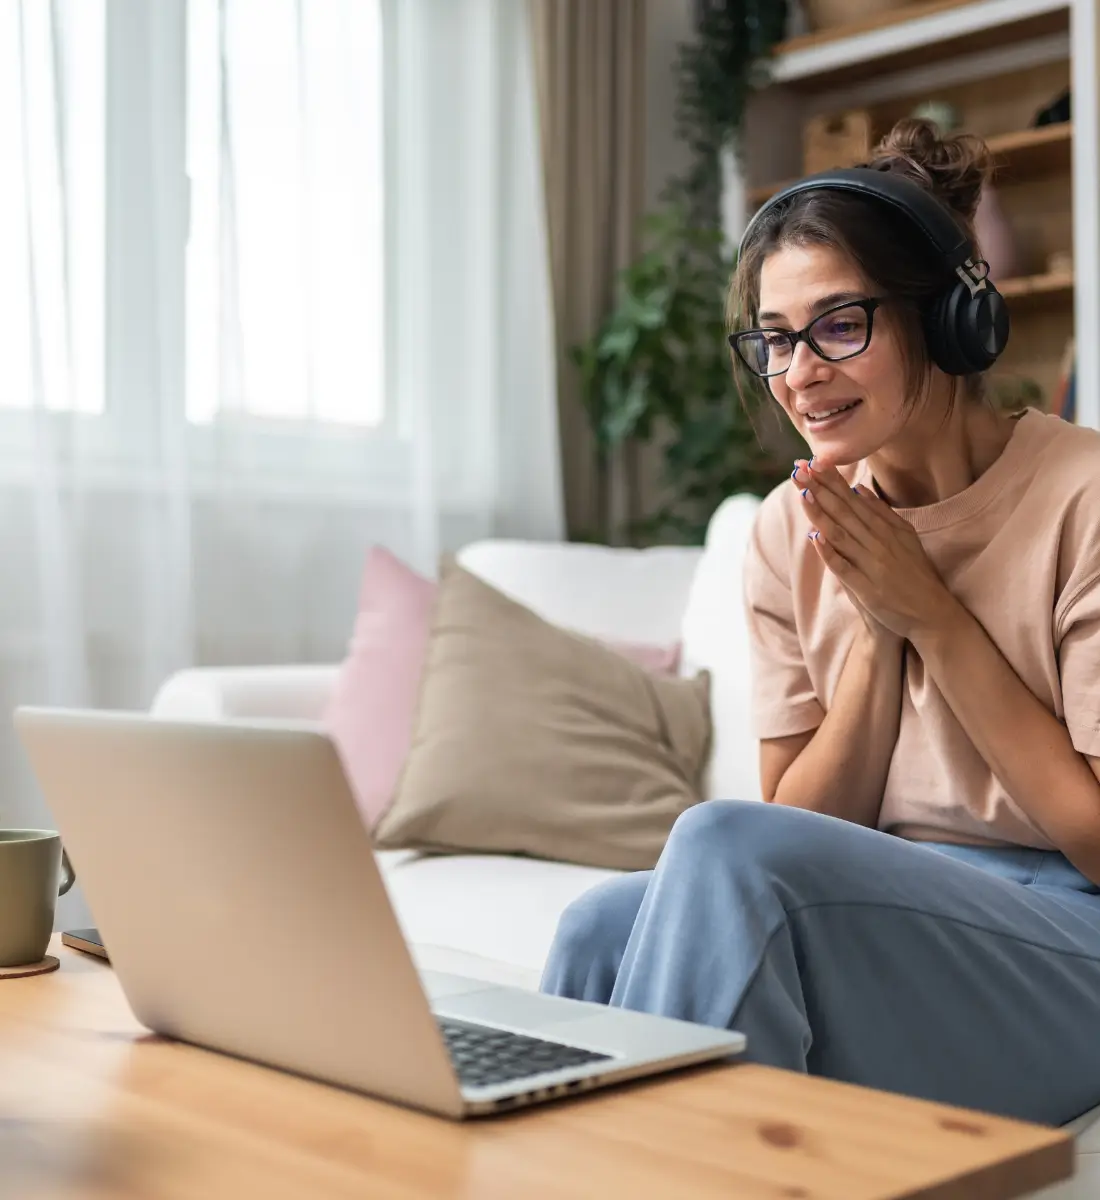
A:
[(483, 1056)]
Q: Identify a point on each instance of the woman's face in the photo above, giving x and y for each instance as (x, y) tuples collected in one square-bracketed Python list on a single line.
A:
[(797, 284)]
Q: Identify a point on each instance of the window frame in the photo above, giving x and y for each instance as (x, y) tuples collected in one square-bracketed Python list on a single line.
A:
[(146, 247)]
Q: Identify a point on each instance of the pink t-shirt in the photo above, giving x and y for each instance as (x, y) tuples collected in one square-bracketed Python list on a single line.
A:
[(1020, 548)]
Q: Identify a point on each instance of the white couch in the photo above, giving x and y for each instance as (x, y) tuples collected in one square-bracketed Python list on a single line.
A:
[(494, 917)]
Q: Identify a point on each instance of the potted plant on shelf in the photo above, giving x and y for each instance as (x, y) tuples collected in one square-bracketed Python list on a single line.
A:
[(658, 370)]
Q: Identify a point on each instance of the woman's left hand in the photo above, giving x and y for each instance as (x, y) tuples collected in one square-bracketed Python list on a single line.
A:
[(874, 553)]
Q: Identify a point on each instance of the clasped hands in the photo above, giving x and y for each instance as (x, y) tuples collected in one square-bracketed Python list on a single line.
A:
[(875, 554)]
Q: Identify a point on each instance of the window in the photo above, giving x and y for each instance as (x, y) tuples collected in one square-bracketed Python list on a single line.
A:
[(284, 272), (282, 275), (52, 205)]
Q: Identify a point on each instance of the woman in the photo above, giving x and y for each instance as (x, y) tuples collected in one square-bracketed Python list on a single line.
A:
[(917, 907)]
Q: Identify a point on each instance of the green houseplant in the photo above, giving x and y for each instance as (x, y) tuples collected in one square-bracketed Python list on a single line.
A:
[(658, 369), (716, 73)]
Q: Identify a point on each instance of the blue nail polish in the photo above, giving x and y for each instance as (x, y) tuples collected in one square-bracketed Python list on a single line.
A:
[(804, 491), (856, 490), (794, 473)]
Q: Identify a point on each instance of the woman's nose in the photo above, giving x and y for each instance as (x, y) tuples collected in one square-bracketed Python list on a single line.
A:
[(806, 367)]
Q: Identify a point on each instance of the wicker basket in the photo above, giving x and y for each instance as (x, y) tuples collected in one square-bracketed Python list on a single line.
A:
[(837, 140)]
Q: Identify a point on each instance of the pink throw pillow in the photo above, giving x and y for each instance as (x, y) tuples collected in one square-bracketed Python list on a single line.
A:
[(661, 660), (371, 711), (370, 714)]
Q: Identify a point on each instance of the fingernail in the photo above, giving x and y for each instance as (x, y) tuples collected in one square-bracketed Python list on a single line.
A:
[(856, 490), (806, 496), (812, 536), (794, 473)]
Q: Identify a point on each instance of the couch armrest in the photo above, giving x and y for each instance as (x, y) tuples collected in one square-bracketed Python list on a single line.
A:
[(213, 693)]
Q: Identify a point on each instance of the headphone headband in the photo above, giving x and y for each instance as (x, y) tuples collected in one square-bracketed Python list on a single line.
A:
[(919, 206)]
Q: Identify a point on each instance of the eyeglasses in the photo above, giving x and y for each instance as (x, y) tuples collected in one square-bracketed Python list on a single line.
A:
[(838, 333)]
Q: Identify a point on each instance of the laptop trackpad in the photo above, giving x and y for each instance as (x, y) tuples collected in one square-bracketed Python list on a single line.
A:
[(513, 1006)]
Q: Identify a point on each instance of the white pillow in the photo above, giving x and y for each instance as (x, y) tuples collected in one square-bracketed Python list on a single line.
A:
[(715, 638)]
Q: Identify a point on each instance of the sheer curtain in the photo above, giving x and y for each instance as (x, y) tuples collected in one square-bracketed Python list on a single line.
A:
[(277, 293)]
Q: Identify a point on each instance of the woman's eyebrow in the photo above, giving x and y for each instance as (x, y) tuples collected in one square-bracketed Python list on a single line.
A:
[(829, 301)]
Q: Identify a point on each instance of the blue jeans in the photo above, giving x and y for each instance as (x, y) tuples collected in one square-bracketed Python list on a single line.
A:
[(960, 974)]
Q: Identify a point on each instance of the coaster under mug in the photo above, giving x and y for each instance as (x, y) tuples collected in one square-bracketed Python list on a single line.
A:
[(42, 967)]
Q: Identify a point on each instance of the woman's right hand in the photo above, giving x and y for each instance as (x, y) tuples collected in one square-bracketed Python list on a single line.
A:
[(878, 635)]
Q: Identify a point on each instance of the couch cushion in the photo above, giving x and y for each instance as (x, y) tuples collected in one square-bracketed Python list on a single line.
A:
[(370, 713), (489, 916), (533, 740), (607, 592), (371, 708), (716, 639)]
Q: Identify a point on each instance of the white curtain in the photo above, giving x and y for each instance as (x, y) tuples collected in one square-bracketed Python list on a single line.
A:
[(278, 293), (473, 352)]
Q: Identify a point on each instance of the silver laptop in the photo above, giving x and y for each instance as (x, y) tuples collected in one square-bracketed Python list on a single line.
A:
[(236, 890)]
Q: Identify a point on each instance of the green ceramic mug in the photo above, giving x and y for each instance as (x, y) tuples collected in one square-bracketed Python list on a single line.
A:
[(34, 871)]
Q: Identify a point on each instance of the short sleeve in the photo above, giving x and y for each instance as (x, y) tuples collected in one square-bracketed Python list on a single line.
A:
[(783, 698), (1079, 668)]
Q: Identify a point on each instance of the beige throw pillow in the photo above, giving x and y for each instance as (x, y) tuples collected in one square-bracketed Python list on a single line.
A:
[(532, 740)]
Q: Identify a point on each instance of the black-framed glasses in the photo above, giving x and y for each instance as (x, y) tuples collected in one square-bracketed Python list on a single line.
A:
[(834, 335)]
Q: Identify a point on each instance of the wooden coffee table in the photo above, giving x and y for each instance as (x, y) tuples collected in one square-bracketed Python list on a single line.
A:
[(93, 1107)]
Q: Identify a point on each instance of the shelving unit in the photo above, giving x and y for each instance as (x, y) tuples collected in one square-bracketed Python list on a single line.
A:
[(1036, 287), (915, 36), (997, 62), (1021, 154), (1028, 153)]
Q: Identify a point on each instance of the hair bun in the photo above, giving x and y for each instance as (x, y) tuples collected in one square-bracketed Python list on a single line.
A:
[(954, 169)]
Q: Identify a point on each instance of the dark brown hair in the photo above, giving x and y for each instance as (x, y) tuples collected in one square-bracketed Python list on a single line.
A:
[(885, 247)]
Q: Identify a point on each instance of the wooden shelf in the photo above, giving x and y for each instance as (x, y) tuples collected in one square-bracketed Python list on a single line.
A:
[(916, 35), (1028, 153), (1022, 154), (1029, 290)]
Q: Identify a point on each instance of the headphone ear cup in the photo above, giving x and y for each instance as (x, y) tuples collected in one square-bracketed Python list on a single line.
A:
[(989, 325), (966, 333), (938, 333)]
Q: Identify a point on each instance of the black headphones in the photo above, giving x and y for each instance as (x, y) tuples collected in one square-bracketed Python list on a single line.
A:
[(966, 323)]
